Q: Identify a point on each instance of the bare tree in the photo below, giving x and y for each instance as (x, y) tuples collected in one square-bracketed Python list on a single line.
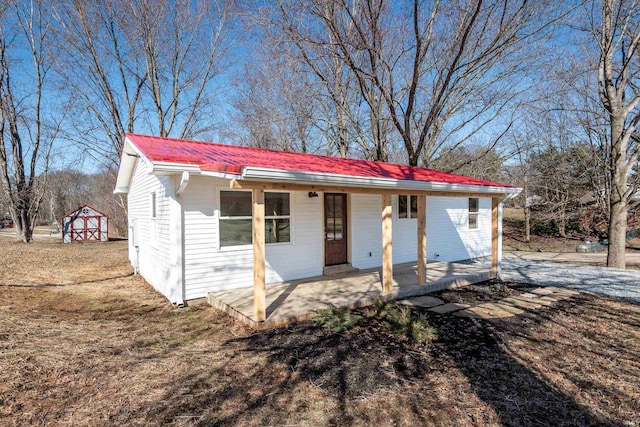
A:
[(475, 161), (297, 26), (273, 103), (26, 135), (184, 45), (104, 74), (446, 71), (616, 27), (141, 65)]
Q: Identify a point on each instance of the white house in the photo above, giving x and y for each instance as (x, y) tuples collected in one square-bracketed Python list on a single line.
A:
[(206, 217)]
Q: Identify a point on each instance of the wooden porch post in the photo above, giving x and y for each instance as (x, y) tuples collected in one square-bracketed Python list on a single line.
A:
[(495, 202), (259, 298), (387, 253), (422, 240)]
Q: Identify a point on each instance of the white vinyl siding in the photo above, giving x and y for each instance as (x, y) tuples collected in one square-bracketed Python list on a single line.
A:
[(209, 267), (153, 245), (366, 230), (448, 235)]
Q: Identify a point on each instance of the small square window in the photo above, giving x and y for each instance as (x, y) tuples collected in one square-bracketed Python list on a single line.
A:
[(402, 207), (407, 207), (473, 212), (414, 206)]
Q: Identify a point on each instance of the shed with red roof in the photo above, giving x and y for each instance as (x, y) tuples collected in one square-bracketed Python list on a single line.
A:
[(207, 217), (85, 224)]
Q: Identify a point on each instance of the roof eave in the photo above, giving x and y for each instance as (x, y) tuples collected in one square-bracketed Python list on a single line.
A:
[(284, 176), (128, 159)]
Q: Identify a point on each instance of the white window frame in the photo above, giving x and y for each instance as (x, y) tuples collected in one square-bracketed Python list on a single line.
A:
[(409, 213), (267, 217), (289, 217), (475, 214), (221, 218), (153, 214)]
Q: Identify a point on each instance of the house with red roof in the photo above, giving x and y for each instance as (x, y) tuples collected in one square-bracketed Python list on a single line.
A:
[(207, 217)]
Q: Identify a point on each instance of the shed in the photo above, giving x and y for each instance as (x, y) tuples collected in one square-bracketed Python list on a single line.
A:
[(85, 224), (207, 218)]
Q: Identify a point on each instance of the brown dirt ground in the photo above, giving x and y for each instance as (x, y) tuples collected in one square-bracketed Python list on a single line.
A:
[(83, 342), (490, 291)]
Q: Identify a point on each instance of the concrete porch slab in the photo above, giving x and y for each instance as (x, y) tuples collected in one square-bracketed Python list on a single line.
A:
[(298, 300)]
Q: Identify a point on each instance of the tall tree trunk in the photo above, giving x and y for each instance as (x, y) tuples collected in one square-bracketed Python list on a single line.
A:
[(527, 224), (343, 140), (562, 216), (22, 223), (527, 212), (562, 222), (617, 233), (617, 199), (619, 43)]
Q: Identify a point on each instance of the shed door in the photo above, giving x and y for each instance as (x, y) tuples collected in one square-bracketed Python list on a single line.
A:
[(85, 228), (335, 228), (77, 229), (92, 228)]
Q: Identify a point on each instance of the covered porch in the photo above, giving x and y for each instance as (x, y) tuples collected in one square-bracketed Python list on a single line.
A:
[(260, 303), (299, 300)]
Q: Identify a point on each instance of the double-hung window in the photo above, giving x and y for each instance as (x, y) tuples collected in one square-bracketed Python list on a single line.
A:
[(473, 213), (236, 218), (277, 218), (407, 207)]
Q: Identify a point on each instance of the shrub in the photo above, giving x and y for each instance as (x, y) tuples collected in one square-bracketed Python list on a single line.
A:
[(382, 306), (420, 331), (337, 319), (399, 319), (402, 321)]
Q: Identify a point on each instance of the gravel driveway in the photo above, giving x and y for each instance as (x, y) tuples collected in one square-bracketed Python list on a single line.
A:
[(624, 284)]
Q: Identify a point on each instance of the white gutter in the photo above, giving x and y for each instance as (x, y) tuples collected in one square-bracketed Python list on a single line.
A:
[(223, 175), (167, 168), (162, 168), (284, 176)]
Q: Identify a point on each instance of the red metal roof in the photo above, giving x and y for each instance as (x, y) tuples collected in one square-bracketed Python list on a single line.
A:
[(231, 159)]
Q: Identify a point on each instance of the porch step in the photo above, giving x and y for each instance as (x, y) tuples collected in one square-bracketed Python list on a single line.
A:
[(334, 270)]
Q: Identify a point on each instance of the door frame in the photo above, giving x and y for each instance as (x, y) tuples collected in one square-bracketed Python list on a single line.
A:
[(346, 229)]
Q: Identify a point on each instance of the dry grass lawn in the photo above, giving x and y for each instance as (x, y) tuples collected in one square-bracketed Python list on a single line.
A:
[(84, 342)]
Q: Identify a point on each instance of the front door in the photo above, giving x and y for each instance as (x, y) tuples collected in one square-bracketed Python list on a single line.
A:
[(335, 228)]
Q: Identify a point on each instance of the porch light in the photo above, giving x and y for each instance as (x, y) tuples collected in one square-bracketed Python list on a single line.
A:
[(312, 194)]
